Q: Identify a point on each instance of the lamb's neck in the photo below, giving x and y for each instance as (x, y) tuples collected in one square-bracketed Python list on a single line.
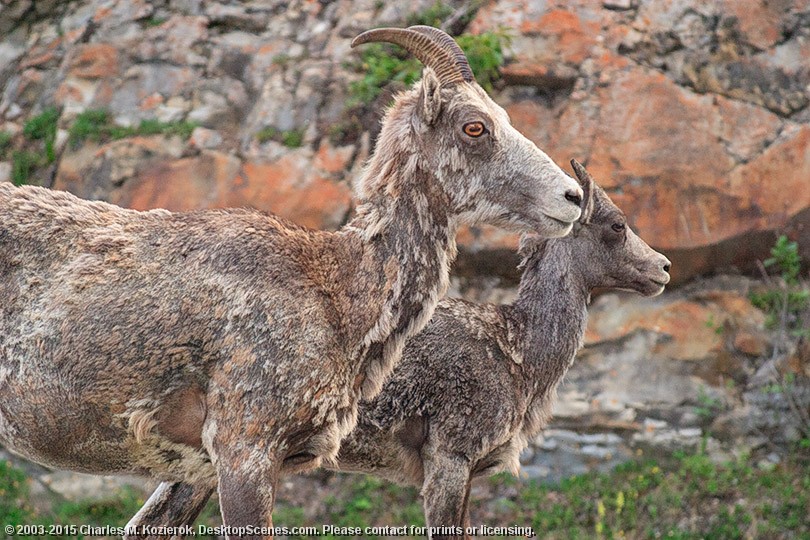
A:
[(551, 312), (411, 238)]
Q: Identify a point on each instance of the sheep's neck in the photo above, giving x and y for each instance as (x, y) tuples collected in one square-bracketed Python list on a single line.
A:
[(411, 238), (551, 313)]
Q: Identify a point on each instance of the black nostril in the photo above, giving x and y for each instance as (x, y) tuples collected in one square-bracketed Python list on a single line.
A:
[(574, 197), (666, 267)]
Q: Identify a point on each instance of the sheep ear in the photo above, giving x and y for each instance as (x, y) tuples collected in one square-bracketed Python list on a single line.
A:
[(430, 98), (586, 181)]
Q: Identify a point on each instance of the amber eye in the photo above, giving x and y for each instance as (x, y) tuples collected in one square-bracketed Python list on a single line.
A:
[(474, 129), (618, 227)]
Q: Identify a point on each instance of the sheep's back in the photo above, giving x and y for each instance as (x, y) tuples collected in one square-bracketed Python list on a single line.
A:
[(88, 288)]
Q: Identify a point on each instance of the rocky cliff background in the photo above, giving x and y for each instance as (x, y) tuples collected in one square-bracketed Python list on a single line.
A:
[(693, 116)]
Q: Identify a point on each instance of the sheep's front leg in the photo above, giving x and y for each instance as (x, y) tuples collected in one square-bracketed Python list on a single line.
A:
[(247, 475), (247, 492), (446, 492), (172, 505)]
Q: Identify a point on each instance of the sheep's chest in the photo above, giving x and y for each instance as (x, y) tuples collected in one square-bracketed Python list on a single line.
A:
[(166, 460)]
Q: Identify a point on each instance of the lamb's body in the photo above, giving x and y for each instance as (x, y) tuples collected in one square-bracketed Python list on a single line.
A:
[(480, 380)]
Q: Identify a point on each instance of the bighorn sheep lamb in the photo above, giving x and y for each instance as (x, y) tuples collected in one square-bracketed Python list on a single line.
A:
[(480, 380), (226, 347)]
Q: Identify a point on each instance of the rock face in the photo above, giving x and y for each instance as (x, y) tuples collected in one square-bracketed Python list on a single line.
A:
[(693, 115)]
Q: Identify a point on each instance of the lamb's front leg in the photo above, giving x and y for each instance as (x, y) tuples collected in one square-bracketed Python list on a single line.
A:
[(446, 492), (173, 504)]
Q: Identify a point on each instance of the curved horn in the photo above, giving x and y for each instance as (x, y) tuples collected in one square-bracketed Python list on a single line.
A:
[(449, 44), (430, 52)]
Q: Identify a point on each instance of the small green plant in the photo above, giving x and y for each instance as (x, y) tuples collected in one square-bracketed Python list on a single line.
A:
[(97, 125), (785, 256), (381, 66), (485, 53), (43, 127), (281, 59), (785, 299), (784, 384), (23, 164), (268, 133), (434, 15), (154, 21), (708, 406), (39, 149), (293, 138), (716, 327), (89, 125), (5, 142), (156, 127)]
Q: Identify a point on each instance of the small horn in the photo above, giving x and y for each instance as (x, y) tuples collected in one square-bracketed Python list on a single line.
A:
[(587, 183), (583, 175), (433, 54)]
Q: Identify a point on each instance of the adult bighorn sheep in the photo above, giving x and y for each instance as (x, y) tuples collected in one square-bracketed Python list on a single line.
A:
[(480, 380), (226, 347)]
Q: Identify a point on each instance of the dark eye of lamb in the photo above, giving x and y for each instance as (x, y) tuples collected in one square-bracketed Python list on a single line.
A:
[(618, 227)]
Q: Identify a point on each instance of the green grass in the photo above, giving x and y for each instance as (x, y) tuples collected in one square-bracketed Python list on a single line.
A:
[(439, 13), (23, 165), (42, 127), (115, 510), (689, 497), (708, 407), (293, 138), (281, 59), (686, 497), (38, 148), (154, 21), (434, 15), (5, 142), (369, 500), (14, 493), (381, 65), (485, 55), (787, 297), (97, 125)]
